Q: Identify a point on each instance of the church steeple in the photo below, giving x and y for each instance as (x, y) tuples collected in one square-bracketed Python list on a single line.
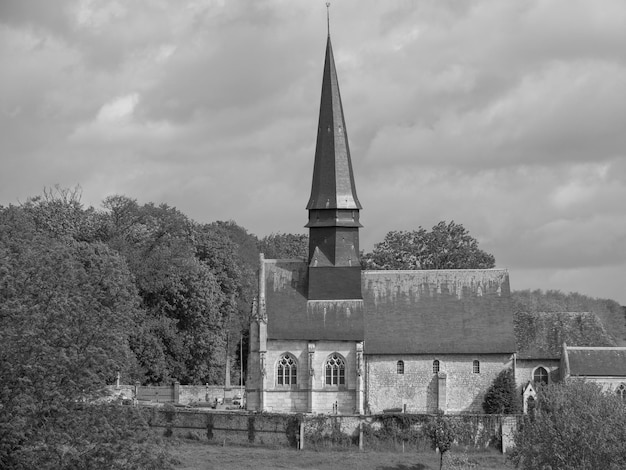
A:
[(334, 263), (333, 180)]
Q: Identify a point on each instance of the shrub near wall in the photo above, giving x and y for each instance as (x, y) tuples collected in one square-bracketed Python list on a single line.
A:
[(325, 431), (398, 431), (380, 432)]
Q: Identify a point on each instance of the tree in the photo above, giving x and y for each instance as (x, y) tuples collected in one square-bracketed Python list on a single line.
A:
[(575, 425), (66, 308), (501, 397), (441, 435), (447, 246), (284, 246)]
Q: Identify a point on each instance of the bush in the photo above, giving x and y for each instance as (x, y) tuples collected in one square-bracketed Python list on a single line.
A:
[(501, 396), (576, 425)]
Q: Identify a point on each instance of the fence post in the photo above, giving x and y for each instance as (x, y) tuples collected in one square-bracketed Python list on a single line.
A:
[(361, 434), (176, 392), (136, 397)]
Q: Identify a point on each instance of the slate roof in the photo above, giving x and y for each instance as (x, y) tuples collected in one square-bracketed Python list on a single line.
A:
[(596, 361), (541, 335), (438, 311), (402, 312), (333, 179), (291, 316)]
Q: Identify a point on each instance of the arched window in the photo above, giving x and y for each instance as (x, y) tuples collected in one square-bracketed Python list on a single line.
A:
[(287, 370), (436, 366), (476, 367), (540, 376), (621, 392), (400, 367), (335, 370)]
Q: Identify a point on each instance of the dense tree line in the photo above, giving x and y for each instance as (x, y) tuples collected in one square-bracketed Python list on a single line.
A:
[(144, 291), (85, 294), (175, 291), (532, 303), (446, 246)]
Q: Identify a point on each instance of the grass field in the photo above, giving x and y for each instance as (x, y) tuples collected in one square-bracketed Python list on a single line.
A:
[(194, 455)]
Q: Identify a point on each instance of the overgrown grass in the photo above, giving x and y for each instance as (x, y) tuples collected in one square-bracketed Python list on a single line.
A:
[(198, 455)]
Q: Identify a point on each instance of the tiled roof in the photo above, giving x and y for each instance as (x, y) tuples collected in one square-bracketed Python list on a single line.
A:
[(541, 335), (402, 312), (596, 361), (439, 311)]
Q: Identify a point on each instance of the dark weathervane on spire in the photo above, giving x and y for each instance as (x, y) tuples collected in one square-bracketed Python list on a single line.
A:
[(328, 17)]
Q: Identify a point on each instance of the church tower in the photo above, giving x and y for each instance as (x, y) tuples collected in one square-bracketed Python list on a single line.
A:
[(334, 265)]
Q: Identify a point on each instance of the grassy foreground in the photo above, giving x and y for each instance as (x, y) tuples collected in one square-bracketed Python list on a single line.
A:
[(194, 455)]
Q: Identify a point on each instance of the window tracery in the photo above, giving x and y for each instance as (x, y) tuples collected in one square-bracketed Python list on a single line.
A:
[(287, 370), (335, 370)]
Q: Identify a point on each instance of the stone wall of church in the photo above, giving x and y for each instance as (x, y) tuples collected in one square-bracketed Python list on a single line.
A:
[(524, 369), (456, 389), (327, 397), (310, 393), (286, 398)]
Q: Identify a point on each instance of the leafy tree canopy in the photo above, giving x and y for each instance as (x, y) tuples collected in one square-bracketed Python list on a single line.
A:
[(575, 425), (285, 246), (446, 246), (66, 310), (441, 434)]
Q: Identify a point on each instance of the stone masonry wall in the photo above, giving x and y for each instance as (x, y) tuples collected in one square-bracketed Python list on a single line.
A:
[(284, 430), (524, 369), (282, 398), (417, 389)]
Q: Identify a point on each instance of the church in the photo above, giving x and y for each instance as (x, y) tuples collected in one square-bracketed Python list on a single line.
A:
[(329, 337)]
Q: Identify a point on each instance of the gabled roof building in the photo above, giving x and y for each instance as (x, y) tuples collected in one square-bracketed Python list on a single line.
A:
[(329, 337)]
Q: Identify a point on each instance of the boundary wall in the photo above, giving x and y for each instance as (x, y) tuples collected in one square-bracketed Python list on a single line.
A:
[(382, 432), (177, 394)]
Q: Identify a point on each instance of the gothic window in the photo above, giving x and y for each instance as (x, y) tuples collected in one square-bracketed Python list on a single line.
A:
[(476, 367), (621, 392), (436, 366), (540, 376), (400, 367), (335, 370), (287, 370)]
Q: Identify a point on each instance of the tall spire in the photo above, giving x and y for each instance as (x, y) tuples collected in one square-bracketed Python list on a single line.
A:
[(333, 180), (334, 263)]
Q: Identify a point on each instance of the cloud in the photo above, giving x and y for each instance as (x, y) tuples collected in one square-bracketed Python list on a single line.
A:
[(506, 117), (119, 109)]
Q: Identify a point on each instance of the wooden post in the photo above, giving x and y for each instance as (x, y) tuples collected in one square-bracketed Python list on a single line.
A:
[(136, 397), (360, 434), (176, 392)]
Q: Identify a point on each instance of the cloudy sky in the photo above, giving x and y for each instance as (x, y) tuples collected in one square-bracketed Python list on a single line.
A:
[(508, 117)]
